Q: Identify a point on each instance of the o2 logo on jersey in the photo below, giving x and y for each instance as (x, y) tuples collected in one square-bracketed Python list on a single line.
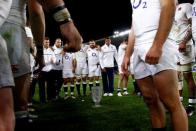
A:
[(94, 54), (67, 58), (138, 3), (194, 11)]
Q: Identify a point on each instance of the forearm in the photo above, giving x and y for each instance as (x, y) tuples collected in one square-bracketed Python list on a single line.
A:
[(165, 22), (50, 4), (188, 35), (130, 46), (37, 21)]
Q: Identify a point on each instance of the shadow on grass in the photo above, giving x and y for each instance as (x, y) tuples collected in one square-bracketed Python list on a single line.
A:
[(56, 116)]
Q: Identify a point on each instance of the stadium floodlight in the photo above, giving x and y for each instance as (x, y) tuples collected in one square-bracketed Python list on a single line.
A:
[(121, 34), (116, 32)]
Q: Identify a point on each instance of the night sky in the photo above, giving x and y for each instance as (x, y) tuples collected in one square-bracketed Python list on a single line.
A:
[(95, 19)]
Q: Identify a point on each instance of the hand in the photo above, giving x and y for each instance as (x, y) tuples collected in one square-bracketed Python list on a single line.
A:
[(182, 47), (15, 68), (125, 64), (73, 37), (103, 70), (153, 55), (40, 60)]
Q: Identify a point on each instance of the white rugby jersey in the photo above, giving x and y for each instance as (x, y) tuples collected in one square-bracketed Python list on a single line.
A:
[(81, 55), (194, 20), (146, 15), (107, 55), (5, 6), (121, 53), (181, 22), (28, 32), (48, 57), (68, 61), (93, 56), (17, 13), (59, 58)]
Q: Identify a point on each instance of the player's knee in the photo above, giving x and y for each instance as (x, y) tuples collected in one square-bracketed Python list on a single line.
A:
[(150, 99)]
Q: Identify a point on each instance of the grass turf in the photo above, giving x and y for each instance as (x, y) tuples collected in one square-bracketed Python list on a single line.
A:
[(127, 113)]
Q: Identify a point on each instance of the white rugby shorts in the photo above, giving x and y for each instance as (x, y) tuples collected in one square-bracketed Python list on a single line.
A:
[(166, 61), (6, 76)]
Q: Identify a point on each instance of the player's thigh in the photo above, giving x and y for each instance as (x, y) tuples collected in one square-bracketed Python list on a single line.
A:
[(167, 87), (6, 77), (6, 99), (147, 88)]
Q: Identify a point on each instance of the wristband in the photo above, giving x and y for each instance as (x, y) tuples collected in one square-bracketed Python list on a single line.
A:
[(61, 15)]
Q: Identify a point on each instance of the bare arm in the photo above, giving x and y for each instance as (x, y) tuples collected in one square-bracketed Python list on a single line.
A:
[(165, 23), (187, 37), (67, 27), (128, 52), (37, 21)]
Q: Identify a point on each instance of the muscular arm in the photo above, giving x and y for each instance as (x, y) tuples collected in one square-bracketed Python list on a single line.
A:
[(67, 27), (189, 33), (37, 21), (187, 37), (50, 4), (131, 41), (165, 23)]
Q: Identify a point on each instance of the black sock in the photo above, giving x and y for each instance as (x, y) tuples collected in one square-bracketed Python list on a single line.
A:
[(97, 83), (65, 88), (78, 88), (84, 88), (90, 85), (72, 88)]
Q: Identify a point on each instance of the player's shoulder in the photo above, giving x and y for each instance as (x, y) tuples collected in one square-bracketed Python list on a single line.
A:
[(113, 46), (185, 5), (89, 49)]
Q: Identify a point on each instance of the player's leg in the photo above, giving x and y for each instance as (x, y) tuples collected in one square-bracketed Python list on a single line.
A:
[(7, 118), (91, 80), (78, 81), (167, 87), (150, 95), (22, 85), (65, 87), (84, 79), (125, 84), (78, 73), (188, 76), (180, 84), (41, 82), (120, 84), (72, 87), (110, 75)]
